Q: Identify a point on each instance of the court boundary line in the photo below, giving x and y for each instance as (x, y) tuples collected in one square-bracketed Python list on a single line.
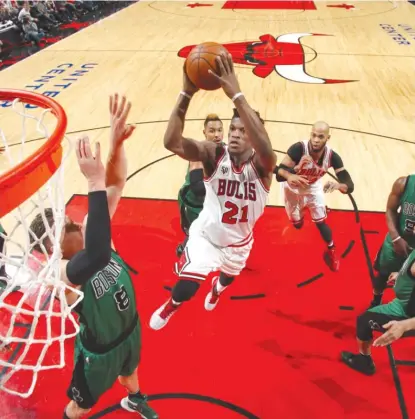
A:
[(273, 121)]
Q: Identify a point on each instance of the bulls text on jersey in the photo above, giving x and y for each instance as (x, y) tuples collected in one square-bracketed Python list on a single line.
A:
[(313, 174), (235, 189)]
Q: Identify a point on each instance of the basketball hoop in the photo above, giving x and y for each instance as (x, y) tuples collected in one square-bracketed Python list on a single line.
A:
[(23, 180), (32, 294)]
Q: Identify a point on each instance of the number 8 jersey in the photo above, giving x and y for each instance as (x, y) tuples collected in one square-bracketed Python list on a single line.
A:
[(108, 308), (235, 199)]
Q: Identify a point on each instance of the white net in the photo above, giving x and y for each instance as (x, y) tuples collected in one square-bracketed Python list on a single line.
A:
[(35, 317)]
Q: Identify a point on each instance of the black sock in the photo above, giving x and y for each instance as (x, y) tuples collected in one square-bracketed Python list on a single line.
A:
[(326, 233), (377, 298)]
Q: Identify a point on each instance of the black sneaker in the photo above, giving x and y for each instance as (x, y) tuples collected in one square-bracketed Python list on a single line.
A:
[(134, 403), (359, 362)]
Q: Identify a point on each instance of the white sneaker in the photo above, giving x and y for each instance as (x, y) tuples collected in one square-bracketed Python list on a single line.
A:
[(162, 315)]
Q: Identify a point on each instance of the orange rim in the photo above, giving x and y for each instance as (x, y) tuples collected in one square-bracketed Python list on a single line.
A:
[(21, 181)]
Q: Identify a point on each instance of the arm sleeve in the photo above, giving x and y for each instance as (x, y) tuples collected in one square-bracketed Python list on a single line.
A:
[(296, 151), (196, 182), (345, 178), (97, 252), (336, 161), (282, 166)]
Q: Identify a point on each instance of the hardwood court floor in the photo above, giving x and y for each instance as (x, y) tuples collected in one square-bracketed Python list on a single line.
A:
[(370, 46)]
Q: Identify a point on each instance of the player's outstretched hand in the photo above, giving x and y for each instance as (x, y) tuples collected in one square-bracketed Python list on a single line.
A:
[(330, 187), (91, 166), (226, 75), (395, 330), (188, 86), (120, 131), (392, 279)]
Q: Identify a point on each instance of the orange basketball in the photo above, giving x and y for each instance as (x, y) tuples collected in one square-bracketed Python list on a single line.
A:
[(200, 59)]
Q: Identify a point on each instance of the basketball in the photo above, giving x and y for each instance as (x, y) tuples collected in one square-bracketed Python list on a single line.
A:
[(200, 59)]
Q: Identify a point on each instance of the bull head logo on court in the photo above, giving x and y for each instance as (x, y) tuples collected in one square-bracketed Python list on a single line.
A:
[(284, 55)]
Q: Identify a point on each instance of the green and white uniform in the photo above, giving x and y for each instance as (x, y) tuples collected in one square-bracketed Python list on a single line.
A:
[(404, 287), (109, 341), (387, 260)]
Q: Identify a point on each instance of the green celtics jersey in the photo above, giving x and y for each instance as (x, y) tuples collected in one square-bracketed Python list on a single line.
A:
[(186, 195), (407, 214), (405, 282), (108, 307), (1, 229)]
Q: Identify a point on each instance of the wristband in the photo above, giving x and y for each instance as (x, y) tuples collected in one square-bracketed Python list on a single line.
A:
[(186, 94), (396, 239), (236, 96)]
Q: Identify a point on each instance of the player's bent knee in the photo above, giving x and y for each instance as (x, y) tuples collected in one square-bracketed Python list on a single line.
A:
[(73, 410), (125, 379), (364, 329), (298, 224), (184, 290)]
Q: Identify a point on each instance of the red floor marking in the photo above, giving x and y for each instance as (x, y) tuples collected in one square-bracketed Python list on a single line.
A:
[(193, 5), (342, 6), (276, 357), (270, 5)]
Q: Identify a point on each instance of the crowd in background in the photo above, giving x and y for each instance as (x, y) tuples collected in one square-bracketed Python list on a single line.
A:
[(38, 20)]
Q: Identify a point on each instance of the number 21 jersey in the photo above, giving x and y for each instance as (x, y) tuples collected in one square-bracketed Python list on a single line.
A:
[(235, 199)]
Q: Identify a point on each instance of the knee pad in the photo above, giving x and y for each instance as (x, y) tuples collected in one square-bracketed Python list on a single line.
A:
[(364, 329), (184, 290), (298, 224)]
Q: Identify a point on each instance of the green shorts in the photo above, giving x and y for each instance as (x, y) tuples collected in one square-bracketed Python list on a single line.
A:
[(394, 309), (387, 261), (95, 373)]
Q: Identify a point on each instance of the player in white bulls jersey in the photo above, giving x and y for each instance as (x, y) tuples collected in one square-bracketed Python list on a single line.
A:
[(301, 171), (237, 179)]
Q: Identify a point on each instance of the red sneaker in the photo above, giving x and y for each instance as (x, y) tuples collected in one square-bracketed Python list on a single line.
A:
[(331, 259), (212, 298)]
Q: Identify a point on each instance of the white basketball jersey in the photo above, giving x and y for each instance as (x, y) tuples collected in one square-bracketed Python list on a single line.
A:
[(314, 172), (235, 199)]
